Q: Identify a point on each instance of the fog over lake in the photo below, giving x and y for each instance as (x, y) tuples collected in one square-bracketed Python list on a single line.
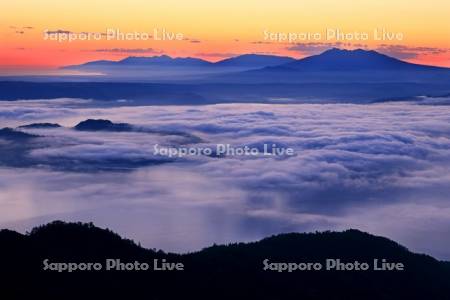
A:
[(382, 168)]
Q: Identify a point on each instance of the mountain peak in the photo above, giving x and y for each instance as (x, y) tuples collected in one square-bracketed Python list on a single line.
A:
[(143, 59), (358, 51), (336, 59)]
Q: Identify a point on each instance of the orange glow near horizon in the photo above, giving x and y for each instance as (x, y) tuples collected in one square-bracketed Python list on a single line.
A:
[(214, 31)]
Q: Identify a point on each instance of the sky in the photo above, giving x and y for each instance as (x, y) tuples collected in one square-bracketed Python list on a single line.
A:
[(213, 30)]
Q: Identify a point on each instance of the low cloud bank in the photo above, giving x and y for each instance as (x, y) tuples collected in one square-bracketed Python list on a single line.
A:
[(383, 168)]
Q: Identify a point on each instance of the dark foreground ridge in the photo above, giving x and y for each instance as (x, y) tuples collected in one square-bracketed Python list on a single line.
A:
[(234, 271)]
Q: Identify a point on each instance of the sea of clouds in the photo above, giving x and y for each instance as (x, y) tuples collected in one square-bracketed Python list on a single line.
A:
[(382, 168)]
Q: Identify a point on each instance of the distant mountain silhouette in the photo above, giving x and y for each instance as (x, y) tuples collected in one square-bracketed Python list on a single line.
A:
[(356, 67), (235, 271), (102, 125), (249, 61), (40, 125), (93, 64), (331, 60), (107, 125), (254, 61), (16, 146), (335, 75), (140, 61), (352, 60), (164, 60), (15, 135)]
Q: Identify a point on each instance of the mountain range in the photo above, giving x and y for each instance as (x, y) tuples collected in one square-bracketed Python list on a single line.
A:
[(165, 61), (335, 75), (331, 60), (352, 60), (136, 61)]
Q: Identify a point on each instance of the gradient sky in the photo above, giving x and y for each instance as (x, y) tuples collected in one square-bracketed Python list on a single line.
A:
[(215, 30)]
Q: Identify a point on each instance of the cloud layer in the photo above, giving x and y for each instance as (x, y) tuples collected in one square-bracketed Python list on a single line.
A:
[(384, 168)]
